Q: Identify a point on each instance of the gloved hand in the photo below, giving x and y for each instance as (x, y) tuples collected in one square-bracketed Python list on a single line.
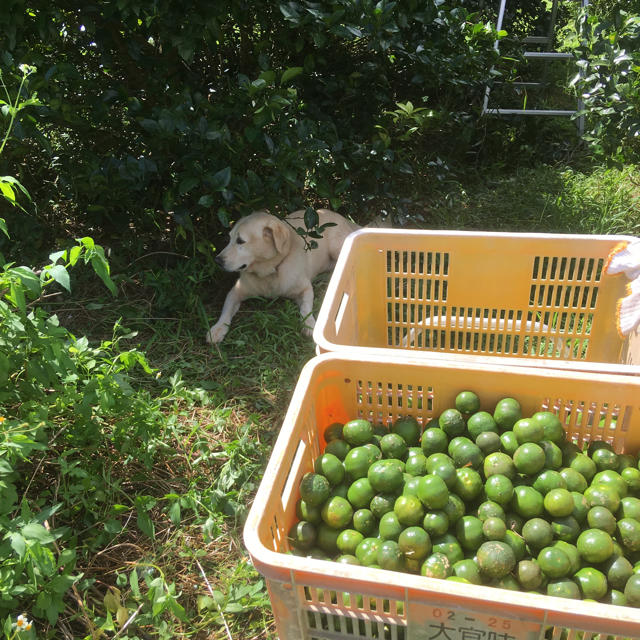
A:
[(625, 258)]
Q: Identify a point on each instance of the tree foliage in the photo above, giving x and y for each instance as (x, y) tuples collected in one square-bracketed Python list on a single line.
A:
[(202, 111)]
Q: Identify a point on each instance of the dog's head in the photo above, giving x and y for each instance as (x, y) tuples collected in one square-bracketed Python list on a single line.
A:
[(257, 243)]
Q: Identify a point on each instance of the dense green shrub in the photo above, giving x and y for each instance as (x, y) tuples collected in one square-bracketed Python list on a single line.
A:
[(609, 82), (194, 113)]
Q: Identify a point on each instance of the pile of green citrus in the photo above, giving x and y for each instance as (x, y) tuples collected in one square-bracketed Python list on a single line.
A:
[(478, 497)]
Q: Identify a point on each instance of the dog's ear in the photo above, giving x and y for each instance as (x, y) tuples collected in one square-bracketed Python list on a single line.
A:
[(280, 234)]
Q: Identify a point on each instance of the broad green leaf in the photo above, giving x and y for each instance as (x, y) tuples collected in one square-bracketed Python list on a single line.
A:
[(60, 274), (220, 180), (101, 267), (35, 531), (290, 73), (8, 192)]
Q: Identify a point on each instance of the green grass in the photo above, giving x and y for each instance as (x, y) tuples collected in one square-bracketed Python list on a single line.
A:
[(179, 521)]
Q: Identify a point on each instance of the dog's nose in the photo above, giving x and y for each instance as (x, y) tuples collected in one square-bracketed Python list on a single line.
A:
[(219, 260)]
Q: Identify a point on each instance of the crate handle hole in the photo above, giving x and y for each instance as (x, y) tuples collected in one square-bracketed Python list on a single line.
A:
[(341, 311), (292, 477)]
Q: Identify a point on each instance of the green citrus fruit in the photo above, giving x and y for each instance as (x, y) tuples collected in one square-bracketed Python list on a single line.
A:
[(360, 493), (364, 521), (452, 423), (554, 562), (386, 476), (602, 495), (527, 430), (632, 590), (499, 488), (611, 478), (552, 454), (409, 429), (527, 502), (509, 442), (330, 467), (481, 422), (327, 538), (506, 413), (495, 559), (348, 540), (517, 544), (416, 465), (563, 588), (490, 509), (433, 492), (367, 551), (468, 484), (382, 503), (469, 531), (314, 489), (437, 565), (551, 425), (529, 574), (571, 552), (333, 432), (409, 510), (434, 440), (468, 570), (338, 448), (493, 528), (567, 528), (337, 512), (449, 546), (595, 545), (537, 533), (467, 402), (558, 503), (357, 432), (529, 458), (302, 535), (617, 571), (393, 445), (631, 476), (347, 558), (574, 479), (605, 459), (601, 518), (592, 583), (499, 463), (357, 462), (584, 465), (630, 508), (308, 512), (390, 527), (415, 543), (489, 442), (547, 480), (435, 523), (629, 533)]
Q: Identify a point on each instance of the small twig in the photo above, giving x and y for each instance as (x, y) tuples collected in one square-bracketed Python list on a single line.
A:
[(226, 626), (158, 253), (133, 616)]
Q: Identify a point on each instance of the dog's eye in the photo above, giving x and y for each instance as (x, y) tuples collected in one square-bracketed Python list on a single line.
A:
[(240, 241)]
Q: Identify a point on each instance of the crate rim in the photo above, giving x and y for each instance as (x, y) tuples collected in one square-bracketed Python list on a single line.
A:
[(325, 345), (286, 568)]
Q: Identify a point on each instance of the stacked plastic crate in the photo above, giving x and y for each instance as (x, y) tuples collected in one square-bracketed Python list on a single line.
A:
[(410, 318)]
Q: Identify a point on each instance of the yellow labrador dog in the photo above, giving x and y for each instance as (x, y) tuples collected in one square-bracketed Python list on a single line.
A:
[(273, 262)]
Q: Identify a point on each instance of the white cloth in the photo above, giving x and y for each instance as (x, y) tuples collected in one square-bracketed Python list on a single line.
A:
[(627, 260)]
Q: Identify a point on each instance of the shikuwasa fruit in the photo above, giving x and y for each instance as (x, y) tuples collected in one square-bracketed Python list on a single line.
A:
[(483, 495)]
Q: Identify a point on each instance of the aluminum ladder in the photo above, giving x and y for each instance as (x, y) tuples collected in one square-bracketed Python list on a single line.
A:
[(549, 54)]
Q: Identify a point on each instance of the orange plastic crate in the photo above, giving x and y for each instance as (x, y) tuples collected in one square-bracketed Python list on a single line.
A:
[(519, 299), (317, 599)]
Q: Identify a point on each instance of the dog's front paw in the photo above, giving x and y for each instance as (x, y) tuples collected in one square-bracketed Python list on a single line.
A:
[(217, 333), (307, 331)]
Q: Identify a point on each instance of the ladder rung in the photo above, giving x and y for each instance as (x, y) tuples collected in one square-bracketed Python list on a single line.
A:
[(530, 112), (547, 54), (536, 40)]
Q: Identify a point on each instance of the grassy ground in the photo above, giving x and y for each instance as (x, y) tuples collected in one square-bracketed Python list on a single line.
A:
[(222, 406)]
